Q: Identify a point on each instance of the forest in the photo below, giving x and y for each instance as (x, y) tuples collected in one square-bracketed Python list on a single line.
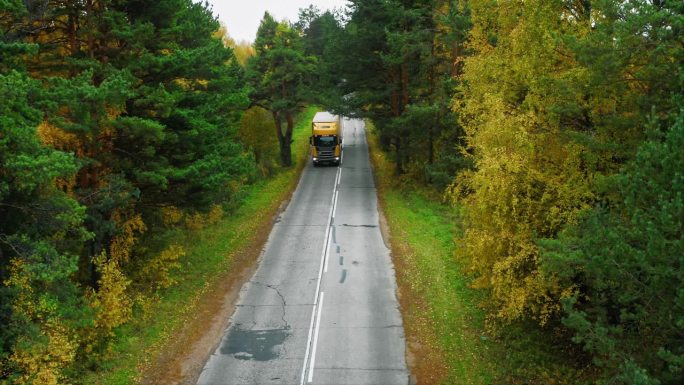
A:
[(554, 128)]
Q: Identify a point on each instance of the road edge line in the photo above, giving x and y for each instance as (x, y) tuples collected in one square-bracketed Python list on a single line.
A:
[(315, 340)]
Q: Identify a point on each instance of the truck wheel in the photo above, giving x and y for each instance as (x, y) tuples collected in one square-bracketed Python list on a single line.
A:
[(315, 164)]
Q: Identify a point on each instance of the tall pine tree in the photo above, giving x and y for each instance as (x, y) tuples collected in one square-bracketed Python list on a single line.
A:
[(278, 74)]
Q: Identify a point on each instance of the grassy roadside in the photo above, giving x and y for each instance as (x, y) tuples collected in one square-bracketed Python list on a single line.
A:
[(441, 318), (211, 254), (443, 321)]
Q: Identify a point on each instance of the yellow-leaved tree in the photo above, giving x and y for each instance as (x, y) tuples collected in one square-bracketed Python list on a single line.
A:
[(256, 132), (529, 178)]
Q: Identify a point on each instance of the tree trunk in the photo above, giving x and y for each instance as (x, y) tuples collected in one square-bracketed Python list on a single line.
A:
[(399, 161), (284, 139), (287, 151), (405, 98), (431, 145)]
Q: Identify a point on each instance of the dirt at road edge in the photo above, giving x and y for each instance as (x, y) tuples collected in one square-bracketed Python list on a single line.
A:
[(183, 359)]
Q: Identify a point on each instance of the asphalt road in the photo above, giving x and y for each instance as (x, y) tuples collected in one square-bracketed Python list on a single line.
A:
[(321, 307)]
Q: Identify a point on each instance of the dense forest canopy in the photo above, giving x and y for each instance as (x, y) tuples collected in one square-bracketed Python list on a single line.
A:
[(117, 115), (556, 128)]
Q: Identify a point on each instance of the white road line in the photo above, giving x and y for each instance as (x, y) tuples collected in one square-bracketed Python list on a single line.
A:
[(327, 242), (315, 341), (317, 304), (308, 341), (335, 205), (339, 177), (327, 251)]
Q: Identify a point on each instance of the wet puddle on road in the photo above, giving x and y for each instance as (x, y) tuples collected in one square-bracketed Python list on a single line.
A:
[(257, 345)]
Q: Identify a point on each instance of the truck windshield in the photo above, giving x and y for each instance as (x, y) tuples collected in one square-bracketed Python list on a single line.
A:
[(324, 141)]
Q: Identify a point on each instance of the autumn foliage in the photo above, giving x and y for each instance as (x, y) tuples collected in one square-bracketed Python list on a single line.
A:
[(118, 123), (565, 109), (555, 128)]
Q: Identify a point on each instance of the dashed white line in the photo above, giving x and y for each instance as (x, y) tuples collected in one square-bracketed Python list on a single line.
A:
[(315, 341), (327, 241), (327, 251)]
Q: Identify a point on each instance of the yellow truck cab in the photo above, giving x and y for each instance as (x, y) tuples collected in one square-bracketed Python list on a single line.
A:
[(326, 139)]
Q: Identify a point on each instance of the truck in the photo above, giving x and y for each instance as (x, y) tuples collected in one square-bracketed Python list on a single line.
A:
[(326, 139)]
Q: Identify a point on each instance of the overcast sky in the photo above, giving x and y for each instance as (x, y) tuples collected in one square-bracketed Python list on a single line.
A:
[(242, 17)]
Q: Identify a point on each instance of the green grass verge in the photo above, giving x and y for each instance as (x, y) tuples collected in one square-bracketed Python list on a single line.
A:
[(210, 253), (443, 320)]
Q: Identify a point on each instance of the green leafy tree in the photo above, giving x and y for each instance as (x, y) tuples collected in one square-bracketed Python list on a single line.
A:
[(279, 74), (321, 34)]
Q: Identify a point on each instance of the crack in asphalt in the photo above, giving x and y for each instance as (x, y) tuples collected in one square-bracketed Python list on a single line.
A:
[(286, 325), (274, 287)]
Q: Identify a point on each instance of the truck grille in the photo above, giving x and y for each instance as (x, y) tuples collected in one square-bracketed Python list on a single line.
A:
[(326, 153)]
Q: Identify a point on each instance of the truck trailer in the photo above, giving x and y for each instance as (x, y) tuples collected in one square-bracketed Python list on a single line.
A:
[(326, 139)]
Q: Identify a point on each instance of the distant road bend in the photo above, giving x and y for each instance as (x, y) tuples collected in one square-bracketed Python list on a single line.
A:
[(321, 307)]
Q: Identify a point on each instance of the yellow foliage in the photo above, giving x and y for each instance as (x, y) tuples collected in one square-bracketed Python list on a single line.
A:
[(529, 180), (40, 359), (224, 36), (129, 230), (111, 300), (42, 363), (55, 137), (195, 221), (158, 269), (184, 83), (171, 216), (243, 51), (146, 303), (256, 132), (24, 303), (215, 214)]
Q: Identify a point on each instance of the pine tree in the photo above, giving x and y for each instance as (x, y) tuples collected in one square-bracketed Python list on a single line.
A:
[(278, 74), (134, 107), (404, 78), (41, 230)]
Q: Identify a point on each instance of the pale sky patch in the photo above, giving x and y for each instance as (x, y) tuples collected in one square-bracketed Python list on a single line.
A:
[(242, 17)]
